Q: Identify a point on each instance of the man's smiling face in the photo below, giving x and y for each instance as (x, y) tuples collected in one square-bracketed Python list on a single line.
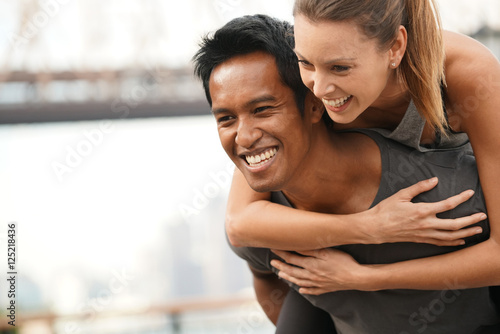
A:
[(259, 123)]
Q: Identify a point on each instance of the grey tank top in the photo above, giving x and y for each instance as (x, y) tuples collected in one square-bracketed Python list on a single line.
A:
[(404, 311), (409, 133)]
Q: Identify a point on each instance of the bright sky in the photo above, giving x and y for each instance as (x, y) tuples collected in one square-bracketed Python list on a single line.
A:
[(90, 34), (116, 33)]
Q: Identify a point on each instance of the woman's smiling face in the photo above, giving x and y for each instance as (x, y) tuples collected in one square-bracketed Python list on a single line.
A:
[(341, 66)]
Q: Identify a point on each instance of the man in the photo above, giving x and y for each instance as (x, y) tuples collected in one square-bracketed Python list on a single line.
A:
[(273, 130)]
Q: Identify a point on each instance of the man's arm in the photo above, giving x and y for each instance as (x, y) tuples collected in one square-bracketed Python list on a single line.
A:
[(270, 291)]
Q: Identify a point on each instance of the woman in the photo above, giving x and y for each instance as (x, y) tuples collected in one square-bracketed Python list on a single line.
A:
[(370, 62)]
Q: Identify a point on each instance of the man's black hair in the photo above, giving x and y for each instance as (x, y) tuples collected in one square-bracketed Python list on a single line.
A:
[(245, 35)]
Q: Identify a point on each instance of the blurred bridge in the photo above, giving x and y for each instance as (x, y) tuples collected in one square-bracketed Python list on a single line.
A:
[(64, 60), (89, 59), (111, 94)]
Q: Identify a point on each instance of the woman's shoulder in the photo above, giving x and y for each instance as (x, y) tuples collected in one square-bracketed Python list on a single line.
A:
[(469, 65), (459, 40), (463, 52)]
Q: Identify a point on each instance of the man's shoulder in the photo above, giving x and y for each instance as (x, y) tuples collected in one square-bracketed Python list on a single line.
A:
[(257, 258)]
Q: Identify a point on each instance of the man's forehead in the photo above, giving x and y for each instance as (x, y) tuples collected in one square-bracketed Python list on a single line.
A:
[(245, 79), (253, 65)]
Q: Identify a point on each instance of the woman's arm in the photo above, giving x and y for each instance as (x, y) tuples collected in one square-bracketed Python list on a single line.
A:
[(328, 270), (252, 220), (473, 77)]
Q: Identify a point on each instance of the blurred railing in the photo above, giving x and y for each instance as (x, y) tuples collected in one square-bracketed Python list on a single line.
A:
[(173, 312)]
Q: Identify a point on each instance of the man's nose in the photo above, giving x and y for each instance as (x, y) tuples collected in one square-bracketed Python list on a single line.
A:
[(248, 133)]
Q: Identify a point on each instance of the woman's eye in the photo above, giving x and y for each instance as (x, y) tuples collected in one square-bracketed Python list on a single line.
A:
[(339, 68), (304, 63)]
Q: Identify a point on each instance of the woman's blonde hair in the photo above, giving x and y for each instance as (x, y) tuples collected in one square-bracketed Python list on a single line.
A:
[(422, 67)]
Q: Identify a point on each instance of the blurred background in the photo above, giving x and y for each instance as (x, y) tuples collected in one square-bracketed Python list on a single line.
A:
[(111, 171)]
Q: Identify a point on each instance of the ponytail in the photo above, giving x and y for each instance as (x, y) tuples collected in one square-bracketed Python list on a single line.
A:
[(422, 67)]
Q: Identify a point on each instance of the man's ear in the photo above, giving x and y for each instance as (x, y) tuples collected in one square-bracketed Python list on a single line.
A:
[(314, 107)]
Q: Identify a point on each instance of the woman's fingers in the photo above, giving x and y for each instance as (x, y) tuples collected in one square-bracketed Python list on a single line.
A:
[(459, 224), (451, 202), (397, 219), (312, 291), (450, 232), (293, 274), (407, 194), (447, 237), (325, 270), (418, 188)]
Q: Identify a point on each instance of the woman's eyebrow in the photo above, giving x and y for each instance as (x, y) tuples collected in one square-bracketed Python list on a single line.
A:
[(331, 61)]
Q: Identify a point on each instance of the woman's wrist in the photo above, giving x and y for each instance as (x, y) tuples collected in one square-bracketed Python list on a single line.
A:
[(362, 225), (345, 229), (372, 278)]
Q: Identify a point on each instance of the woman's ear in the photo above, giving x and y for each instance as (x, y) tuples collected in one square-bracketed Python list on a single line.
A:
[(398, 49)]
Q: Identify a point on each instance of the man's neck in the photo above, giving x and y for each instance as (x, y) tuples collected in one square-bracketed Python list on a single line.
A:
[(342, 176)]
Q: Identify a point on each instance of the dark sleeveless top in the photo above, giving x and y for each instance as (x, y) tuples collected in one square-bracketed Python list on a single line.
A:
[(453, 311), (409, 132)]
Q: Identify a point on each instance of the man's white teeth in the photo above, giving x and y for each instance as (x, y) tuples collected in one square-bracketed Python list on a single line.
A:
[(254, 160), (337, 103)]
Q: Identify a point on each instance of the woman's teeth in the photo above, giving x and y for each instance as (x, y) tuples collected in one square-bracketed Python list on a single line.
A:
[(337, 103), (254, 160)]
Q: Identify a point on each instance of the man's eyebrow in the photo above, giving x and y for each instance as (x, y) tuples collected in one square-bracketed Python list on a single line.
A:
[(219, 111), (260, 99)]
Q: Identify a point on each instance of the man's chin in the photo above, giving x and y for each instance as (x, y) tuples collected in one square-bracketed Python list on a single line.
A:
[(260, 182), (263, 187)]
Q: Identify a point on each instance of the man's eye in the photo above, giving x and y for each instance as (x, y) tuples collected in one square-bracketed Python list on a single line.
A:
[(224, 119), (261, 109)]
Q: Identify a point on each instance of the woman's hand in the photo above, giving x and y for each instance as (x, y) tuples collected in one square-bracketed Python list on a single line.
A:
[(397, 219), (320, 271)]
